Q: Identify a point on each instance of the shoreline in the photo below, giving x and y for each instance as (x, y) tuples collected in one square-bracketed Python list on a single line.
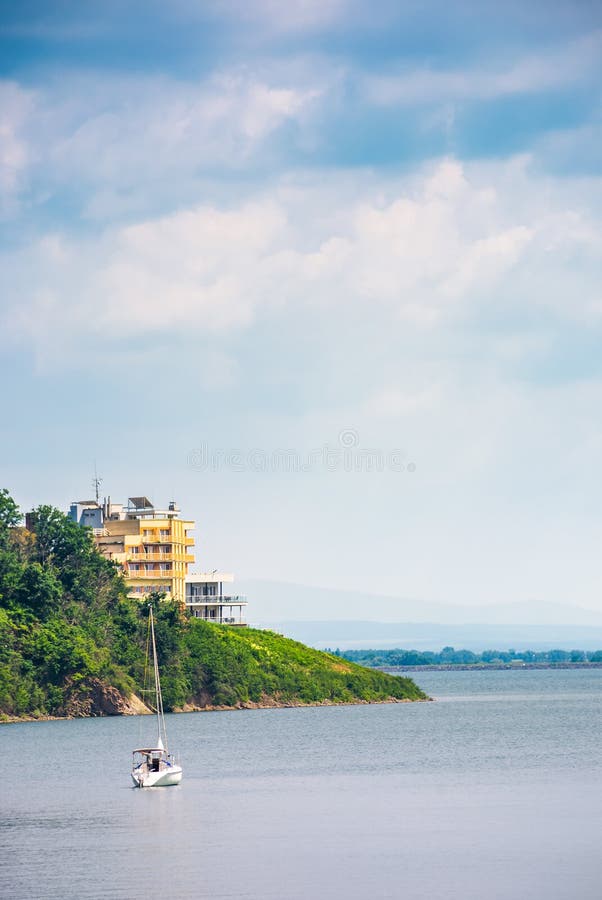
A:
[(294, 704), (191, 708)]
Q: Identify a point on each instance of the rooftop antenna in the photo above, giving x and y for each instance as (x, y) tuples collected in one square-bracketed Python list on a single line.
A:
[(96, 482)]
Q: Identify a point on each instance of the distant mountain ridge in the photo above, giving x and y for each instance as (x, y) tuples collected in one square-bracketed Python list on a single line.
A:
[(422, 636), (273, 601)]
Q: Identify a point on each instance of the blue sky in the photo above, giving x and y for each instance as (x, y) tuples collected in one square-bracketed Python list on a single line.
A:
[(245, 228)]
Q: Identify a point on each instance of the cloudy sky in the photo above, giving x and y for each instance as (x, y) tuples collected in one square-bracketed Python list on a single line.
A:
[(245, 242)]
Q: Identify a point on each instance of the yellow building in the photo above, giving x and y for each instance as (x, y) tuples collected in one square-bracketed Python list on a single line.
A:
[(154, 546)]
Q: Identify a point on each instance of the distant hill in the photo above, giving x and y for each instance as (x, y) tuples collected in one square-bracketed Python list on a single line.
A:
[(272, 601), (426, 636)]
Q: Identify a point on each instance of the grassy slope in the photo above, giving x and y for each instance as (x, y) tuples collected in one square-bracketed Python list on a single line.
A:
[(52, 668), (227, 666)]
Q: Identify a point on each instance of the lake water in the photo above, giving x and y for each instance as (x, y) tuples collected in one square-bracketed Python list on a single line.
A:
[(494, 791)]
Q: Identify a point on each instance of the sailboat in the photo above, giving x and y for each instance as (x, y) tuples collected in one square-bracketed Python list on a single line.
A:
[(154, 766)]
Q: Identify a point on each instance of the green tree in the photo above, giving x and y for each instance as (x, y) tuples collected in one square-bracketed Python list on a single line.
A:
[(39, 589), (58, 538), (11, 573), (10, 516)]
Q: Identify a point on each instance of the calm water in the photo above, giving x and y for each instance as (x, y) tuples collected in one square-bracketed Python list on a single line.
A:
[(492, 792)]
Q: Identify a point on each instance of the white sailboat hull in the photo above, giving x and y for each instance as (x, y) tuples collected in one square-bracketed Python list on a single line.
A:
[(163, 778)]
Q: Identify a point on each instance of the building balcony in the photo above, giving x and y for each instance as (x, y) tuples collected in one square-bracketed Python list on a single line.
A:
[(154, 574), (233, 600), (141, 591), (178, 546), (150, 557), (153, 538), (218, 620)]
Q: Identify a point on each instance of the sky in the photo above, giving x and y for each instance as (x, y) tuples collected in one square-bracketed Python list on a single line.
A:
[(326, 273)]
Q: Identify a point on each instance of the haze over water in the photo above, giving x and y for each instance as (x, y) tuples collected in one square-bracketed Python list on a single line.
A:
[(493, 791)]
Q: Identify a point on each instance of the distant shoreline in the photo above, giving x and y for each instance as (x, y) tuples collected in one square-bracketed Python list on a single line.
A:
[(484, 667)]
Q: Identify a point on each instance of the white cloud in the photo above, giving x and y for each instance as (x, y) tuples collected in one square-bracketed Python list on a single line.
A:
[(393, 402), (109, 139), (16, 106), (162, 126), (421, 251), (274, 16), (553, 69), (195, 269)]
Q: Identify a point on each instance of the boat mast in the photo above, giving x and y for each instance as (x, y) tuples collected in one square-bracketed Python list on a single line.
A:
[(158, 695)]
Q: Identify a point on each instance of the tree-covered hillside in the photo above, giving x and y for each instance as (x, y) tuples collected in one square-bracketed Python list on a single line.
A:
[(72, 643)]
